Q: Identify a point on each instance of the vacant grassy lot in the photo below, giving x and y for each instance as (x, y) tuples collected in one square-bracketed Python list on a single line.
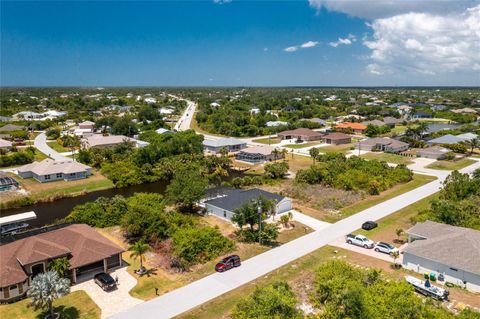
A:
[(268, 141), (167, 280), (302, 145), (451, 165), (57, 147), (343, 148), (73, 306), (388, 157), (47, 191)]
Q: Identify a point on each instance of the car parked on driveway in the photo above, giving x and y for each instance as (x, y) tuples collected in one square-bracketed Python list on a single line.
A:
[(228, 263), (105, 281), (369, 225), (359, 240), (386, 248)]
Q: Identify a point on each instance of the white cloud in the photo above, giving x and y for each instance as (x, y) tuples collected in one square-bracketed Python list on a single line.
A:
[(305, 45), (425, 43), (265, 49), (346, 41), (221, 1), (371, 9), (309, 44), (291, 49)]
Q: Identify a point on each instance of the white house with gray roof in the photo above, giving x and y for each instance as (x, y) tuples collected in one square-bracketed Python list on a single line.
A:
[(50, 170), (229, 143), (451, 251)]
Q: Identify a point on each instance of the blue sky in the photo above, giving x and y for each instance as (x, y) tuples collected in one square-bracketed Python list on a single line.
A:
[(246, 43)]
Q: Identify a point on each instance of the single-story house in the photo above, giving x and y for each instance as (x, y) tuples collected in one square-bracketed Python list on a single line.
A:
[(384, 144), (374, 122), (5, 119), (433, 152), (451, 251), (356, 127), (27, 115), (467, 136), (224, 203), (316, 120), (258, 154), (87, 251), (466, 110), (337, 138), (229, 143), (422, 115), (162, 131), (392, 121), (50, 170), (5, 145), (438, 107), (102, 141), (446, 139), (11, 128), (303, 134), (87, 126), (276, 123)]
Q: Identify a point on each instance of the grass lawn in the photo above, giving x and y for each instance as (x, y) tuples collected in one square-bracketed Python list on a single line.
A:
[(342, 148), (39, 156), (75, 305), (451, 165), (57, 147), (166, 281), (272, 140), (298, 162), (398, 129), (194, 126), (388, 157), (417, 181), (47, 191), (303, 145)]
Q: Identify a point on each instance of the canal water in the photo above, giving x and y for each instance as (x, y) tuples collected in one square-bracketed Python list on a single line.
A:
[(48, 213)]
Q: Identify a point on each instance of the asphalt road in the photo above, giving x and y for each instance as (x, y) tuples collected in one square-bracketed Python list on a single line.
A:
[(190, 296)]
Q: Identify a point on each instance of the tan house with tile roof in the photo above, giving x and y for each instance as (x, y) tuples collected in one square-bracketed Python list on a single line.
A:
[(87, 251)]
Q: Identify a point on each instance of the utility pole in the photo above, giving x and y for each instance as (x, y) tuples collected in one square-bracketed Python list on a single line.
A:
[(259, 210)]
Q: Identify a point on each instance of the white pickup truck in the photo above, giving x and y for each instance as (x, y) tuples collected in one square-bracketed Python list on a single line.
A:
[(359, 240)]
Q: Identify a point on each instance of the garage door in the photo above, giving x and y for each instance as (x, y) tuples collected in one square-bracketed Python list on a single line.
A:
[(284, 206)]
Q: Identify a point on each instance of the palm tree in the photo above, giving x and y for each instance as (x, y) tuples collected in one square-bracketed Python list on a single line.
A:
[(473, 144), (138, 251), (422, 128), (314, 152), (60, 265), (45, 288), (275, 153), (395, 256)]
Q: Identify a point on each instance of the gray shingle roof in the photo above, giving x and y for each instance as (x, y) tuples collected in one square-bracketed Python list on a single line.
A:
[(446, 139), (223, 142), (453, 246), (235, 198)]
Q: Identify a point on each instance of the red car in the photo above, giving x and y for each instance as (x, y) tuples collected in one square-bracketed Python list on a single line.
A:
[(228, 263)]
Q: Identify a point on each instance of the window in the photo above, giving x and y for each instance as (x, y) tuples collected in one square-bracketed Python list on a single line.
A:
[(224, 214), (12, 287), (72, 174), (47, 177), (59, 175)]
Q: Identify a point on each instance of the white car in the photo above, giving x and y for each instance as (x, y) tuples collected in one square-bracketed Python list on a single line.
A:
[(386, 248)]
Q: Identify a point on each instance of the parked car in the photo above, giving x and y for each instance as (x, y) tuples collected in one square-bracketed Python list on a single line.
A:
[(359, 240), (105, 281), (228, 263), (369, 225), (385, 248)]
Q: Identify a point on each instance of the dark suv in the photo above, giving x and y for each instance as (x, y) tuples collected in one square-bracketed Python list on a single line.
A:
[(105, 281), (228, 263), (369, 225)]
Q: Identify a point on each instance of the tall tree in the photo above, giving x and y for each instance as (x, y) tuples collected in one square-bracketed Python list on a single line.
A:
[(187, 187), (45, 288), (314, 152), (138, 251)]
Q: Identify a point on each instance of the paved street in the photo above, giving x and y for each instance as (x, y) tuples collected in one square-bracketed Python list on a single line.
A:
[(40, 143), (210, 287), (185, 120)]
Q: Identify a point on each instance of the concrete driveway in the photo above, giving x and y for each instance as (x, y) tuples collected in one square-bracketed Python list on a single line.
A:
[(340, 243), (114, 301)]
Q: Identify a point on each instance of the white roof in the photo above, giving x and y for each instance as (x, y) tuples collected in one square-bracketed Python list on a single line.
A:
[(87, 123), (5, 143), (49, 166), (276, 123), (467, 136), (17, 218), (162, 130), (223, 142)]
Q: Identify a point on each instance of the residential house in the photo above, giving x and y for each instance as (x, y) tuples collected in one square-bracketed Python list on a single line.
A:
[(451, 251), (337, 138), (21, 260), (289, 108), (445, 139), (50, 170), (224, 203), (316, 120), (5, 145), (163, 131), (466, 110), (384, 144), (11, 128), (229, 143), (467, 136), (392, 121), (107, 141), (303, 134), (433, 152), (258, 154), (358, 128), (422, 115), (374, 122), (27, 115), (5, 119), (438, 107), (87, 125)]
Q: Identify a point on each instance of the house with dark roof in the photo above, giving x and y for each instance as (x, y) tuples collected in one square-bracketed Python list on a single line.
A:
[(224, 202), (337, 138), (453, 252), (433, 152), (303, 134), (21, 260)]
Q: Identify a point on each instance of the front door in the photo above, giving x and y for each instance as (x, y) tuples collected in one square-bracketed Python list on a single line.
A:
[(37, 269)]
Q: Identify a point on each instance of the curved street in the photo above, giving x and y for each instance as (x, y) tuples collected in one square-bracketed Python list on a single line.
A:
[(40, 143)]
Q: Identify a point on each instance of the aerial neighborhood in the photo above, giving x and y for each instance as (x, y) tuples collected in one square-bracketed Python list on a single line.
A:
[(230, 159), (241, 187)]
